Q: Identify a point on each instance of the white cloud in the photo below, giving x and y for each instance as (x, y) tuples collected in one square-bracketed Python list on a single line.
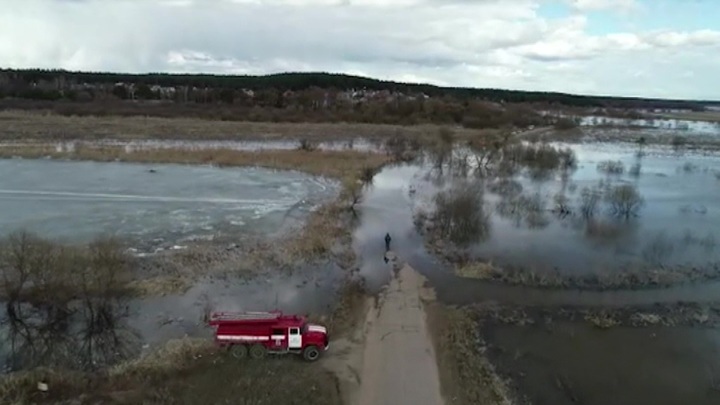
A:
[(484, 43), (595, 5)]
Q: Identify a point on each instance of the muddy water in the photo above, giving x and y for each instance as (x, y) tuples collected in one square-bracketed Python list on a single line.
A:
[(573, 363), (75, 201)]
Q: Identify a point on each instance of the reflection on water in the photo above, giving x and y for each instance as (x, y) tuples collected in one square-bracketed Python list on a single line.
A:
[(598, 216)]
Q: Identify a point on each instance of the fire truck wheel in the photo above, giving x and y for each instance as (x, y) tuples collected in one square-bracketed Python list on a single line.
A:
[(238, 351), (311, 353), (257, 351)]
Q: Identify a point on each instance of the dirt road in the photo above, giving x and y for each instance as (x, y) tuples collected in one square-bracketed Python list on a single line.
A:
[(399, 365)]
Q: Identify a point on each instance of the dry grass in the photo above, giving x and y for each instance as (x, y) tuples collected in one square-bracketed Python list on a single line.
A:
[(24, 125), (657, 314), (336, 164), (709, 116), (185, 371), (467, 376), (602, 320), (638, 277), (477, 270), (160, 285)]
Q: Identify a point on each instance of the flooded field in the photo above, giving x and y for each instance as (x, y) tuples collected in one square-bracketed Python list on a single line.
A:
[(571, 363), (598, 208), (675, 221), (164, 204), (681, 127), (152, 207)]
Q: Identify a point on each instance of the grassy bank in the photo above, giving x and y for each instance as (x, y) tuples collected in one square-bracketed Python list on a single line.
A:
[(709, 116), (467, 376), (25, 125), (666, 315), (335, 164), (633, 278)]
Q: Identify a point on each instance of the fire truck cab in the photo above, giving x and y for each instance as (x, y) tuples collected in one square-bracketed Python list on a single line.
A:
[(259, 333)]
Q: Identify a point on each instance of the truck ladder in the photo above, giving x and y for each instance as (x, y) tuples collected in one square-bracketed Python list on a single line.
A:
[(244, 316)]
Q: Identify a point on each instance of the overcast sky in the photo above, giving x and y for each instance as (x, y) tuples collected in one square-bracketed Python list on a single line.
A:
[(659, 48)]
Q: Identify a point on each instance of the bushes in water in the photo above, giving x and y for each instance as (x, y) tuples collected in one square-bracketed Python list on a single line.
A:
[(64, 305)]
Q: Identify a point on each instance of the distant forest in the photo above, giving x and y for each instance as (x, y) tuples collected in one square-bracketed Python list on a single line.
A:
[(298, 97)]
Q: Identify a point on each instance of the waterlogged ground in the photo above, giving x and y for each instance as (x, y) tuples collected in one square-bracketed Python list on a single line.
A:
[(168, 204)]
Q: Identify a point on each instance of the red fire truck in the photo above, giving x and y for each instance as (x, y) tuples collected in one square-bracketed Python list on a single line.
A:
[(261, 333)]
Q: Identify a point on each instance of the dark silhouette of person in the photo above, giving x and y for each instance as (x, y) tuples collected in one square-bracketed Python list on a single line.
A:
[(387, 241)]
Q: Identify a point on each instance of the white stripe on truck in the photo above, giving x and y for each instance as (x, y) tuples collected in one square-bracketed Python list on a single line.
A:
[(242, 337)]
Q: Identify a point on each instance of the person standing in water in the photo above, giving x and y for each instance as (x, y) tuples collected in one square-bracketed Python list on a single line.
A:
[(387, 241)]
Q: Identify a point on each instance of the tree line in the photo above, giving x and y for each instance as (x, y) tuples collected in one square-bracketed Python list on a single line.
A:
[(15, 83)]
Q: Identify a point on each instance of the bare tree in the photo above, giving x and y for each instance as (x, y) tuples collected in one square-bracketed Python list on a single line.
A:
[(589, 199), (63, 304), (624, 200), (460, 216)]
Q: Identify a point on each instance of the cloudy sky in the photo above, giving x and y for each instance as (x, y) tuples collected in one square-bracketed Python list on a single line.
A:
[(659, 48)]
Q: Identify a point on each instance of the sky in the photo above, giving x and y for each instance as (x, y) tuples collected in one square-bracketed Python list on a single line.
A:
[(649, 48)]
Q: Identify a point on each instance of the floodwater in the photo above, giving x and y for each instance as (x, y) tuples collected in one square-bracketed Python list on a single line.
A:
[(164, 204), (552, 366), (76, 201), (141, 325), (679, 127), (677, 224), (571, 363), (308, 290)]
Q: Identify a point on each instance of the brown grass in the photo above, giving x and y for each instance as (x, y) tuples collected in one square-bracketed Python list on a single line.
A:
[(710, 116), (336, 164), (631, 277), (160, 285), (467, 376), (24, 125), (181, 371)]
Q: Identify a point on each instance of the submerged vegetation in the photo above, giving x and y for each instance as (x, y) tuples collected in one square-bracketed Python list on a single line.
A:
[(633, 277), (65, 306)]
